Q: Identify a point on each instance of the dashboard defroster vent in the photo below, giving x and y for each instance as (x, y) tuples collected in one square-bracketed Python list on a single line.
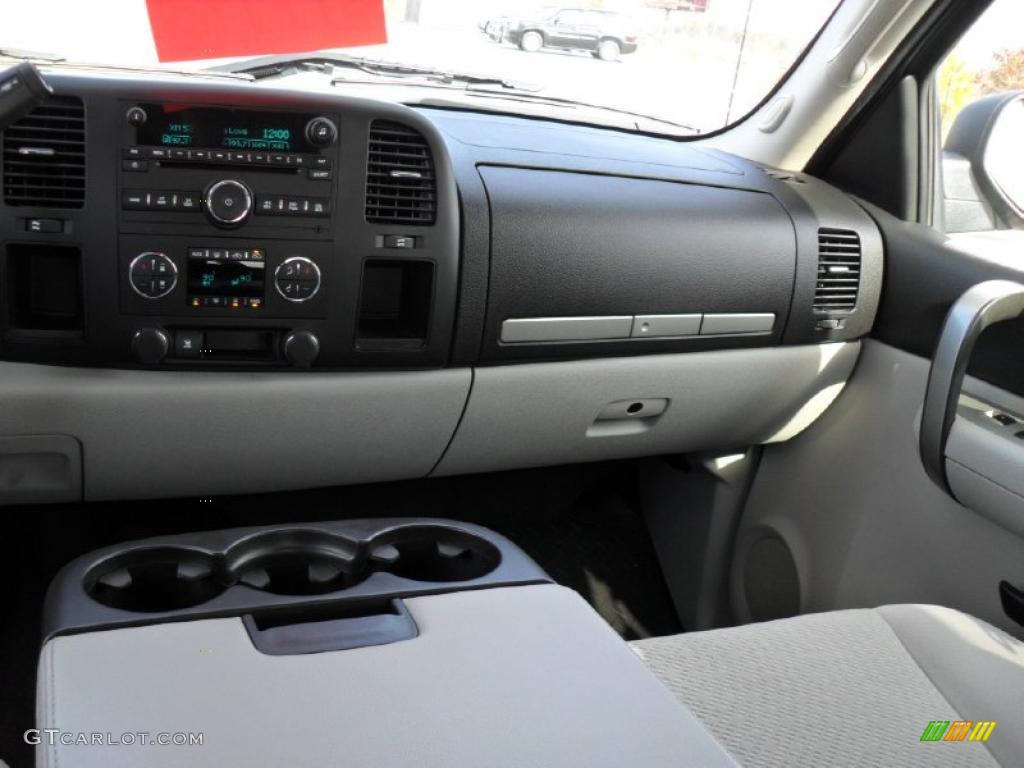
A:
[(838, 270), (44, 156), (400, 184)]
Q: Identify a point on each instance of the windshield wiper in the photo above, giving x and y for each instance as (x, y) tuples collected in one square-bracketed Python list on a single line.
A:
[(17, 53), (281, 66)]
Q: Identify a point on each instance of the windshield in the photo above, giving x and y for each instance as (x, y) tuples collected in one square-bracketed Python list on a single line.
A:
[(697, 64)]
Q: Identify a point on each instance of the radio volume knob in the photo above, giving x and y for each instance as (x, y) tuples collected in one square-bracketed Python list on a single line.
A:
[(228, 202), (136, 116)]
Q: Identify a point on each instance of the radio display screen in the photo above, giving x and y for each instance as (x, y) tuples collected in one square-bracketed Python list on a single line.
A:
[(226, 277), (172, 126)]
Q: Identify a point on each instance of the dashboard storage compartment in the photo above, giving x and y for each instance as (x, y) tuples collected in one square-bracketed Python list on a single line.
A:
[(44, 287), (268, 573), (586, 264), (394, 305)]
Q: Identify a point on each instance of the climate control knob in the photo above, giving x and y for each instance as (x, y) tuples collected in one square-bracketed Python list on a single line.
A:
[(301, 348), (297, 279), (228, 202), (152, 275), (150, 345)]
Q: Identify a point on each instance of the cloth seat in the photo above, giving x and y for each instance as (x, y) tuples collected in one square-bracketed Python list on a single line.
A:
[(852, 687)]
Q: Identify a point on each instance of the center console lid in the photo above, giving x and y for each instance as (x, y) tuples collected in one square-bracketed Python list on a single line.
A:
[(516, 674)]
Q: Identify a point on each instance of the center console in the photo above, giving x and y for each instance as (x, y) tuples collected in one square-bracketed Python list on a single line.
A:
[(366, 642), (281, 231)]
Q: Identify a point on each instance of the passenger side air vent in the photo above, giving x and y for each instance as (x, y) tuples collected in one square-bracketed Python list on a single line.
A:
[(838, 270), (400, 183), (44, 156)]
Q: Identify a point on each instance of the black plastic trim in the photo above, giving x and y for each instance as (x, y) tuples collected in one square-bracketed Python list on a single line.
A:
[(280, 574)]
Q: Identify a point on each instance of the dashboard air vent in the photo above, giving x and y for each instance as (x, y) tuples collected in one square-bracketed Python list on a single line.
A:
[(838, 270), (400, 183), (44, 156)]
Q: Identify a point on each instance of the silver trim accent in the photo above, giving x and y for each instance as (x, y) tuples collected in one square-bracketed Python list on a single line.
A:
[(246, 210), (737, 323), (174, 275), (540, 329), (665, 326), (316, 269), (405, 175), (37, 151)]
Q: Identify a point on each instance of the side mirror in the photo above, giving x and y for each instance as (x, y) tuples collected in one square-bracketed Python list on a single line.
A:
[(983, 164)]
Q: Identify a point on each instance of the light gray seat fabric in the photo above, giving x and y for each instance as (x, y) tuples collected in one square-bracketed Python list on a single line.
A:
[(854, 687)]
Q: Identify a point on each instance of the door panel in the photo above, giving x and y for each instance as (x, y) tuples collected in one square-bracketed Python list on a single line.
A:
[(849, 505), (863, 523)]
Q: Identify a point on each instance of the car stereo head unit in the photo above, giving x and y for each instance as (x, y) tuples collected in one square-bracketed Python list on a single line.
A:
[(167, 125)]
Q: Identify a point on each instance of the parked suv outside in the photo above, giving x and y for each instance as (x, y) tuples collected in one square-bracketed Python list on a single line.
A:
[(602, 33)]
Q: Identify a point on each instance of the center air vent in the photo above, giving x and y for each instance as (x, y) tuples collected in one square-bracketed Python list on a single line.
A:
[(400, 183), (44, 156), (838, 270)]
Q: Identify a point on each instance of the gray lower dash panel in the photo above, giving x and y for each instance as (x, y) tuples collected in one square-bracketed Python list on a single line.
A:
[(151, 434), (542, 414)]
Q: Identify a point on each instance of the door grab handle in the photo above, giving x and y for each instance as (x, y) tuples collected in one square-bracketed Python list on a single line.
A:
[(979, 307)]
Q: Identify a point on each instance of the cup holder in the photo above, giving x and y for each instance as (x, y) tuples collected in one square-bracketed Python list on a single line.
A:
[(286, 562), (152, 580), (295, 563), (435, 554)]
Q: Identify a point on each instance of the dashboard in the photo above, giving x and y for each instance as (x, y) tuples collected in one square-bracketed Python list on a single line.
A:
[(183, 224)]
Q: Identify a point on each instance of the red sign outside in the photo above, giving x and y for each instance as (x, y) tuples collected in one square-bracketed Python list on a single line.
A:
[(213, 29)]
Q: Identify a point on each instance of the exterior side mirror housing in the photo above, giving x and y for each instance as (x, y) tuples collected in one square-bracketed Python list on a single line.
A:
[(983, 165)]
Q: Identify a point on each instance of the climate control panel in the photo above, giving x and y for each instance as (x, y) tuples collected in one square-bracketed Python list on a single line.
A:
[(179, 276)]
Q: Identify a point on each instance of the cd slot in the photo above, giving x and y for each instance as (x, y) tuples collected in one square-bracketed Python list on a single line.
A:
[(214, 164)]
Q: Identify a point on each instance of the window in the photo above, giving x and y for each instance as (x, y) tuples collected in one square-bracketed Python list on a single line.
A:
[(980, 91), (679, 67)]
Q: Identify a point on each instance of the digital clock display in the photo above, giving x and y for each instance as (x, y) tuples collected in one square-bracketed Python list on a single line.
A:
[(171, 126)]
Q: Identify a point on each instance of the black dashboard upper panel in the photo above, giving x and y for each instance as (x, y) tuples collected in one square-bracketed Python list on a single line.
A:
[(407, 240), (575, 244)]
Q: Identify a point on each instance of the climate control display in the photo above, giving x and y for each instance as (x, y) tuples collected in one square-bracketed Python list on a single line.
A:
[(231, 278)]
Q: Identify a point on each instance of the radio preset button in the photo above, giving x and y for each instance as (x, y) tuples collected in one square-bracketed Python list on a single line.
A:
[(188, 202), (133, 201)]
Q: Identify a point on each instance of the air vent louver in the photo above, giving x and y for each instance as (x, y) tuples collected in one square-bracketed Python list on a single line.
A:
[(838, 270), (400, 183), (44, 156)]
